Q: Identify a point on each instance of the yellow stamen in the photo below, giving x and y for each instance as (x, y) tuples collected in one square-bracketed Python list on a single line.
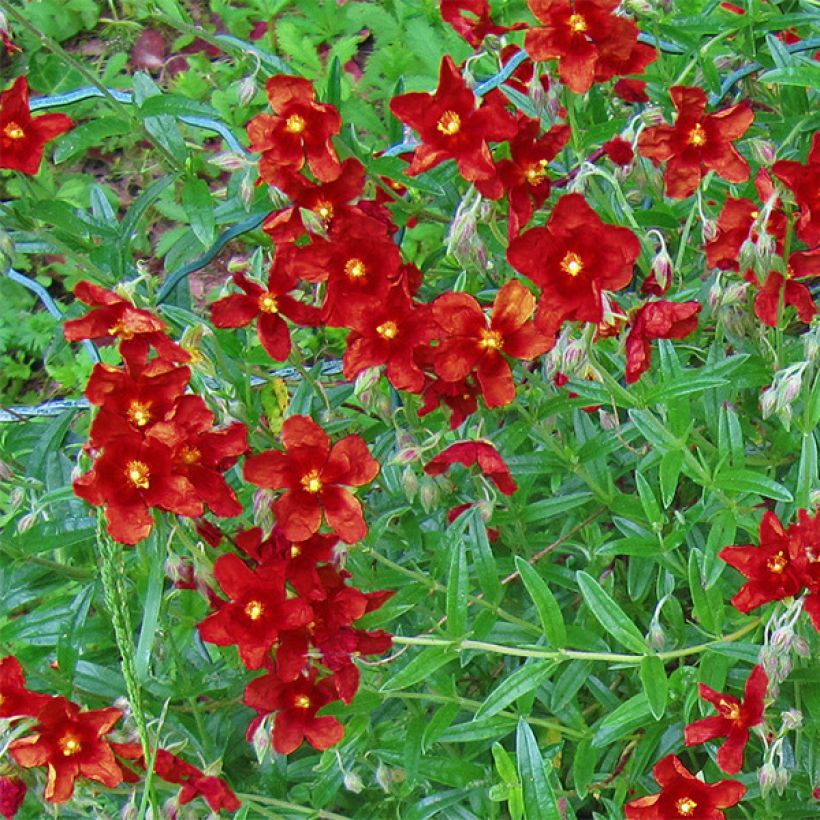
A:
[(323, 209), (572, 264), (311, 482), (254, 610), (268, 303), (686, 806), (577, 23), (138, 473), (387, 330), (295, 552), (190, 455), (777, 563), (69, 745), (13, 131), (355, 268), (295, 124), (697, 136), (491, 340), (138, 413), (449, 123), (301, 702)]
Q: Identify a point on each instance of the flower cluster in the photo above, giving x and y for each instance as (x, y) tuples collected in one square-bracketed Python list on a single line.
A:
[(74, 743)]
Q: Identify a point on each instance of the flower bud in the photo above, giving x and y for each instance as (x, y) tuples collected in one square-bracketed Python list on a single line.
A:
[(792, 719), (129, 811), (247, 90), (763, 151), (228, 161), (170, 810), (768, 398), (26, 522), (353, 783), (261, 740), (657, 637), (407, 455), (715, 294), (801, 646), (781, 639), (708, 230), (607, 420), (383, 777), (262, 514), (781, 779), (766, 778), (6, 250), (662, 268), (365, 381), (410, 483), (428, 494), (246, 190), (789, 390)]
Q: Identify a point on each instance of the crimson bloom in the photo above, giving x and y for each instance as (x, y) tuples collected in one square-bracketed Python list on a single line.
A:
[(471, 19), (12, 791), (195, 783), (134, 329), (589, 41), (315, 475), (459, 396), (451, 127), (735, 225), (573, 259), (296, 704), (684, 795), (734, 721), (71, 744), (468, 453), (258, 609), (697, 141), (15, 699), (807, 531), (656, 320), (23, 137), (802, 179), (472, 342), (775, 568), (788, 289), (299, 128)]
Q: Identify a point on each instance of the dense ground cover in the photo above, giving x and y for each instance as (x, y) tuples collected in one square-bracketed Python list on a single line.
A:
[(409, 409)]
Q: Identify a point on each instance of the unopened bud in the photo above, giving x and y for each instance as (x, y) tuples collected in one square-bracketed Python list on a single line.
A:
[(653, 116), (365, 382), (789, 390), (383, 777), (747, 255), (763, 151), (708, 230), (657, 637), (781, 639), (801, 646), (607, 420), (228, 161), (6, 249), (246, 190), (735, 293), (407, 455), (262, 513), (428, 493), (26, 522), (715, 294), (765, 245), (353, 783), (768, 399), (766, 778), (662, 268), (129, 811), (781, 779), (247, 90), (792, 719), (170, 810), (238, 264), (261, 740), (410, 483), (5, 471), (814, 499)]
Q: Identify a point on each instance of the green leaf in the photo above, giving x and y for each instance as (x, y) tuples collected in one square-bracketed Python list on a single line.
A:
[(504, 764), (334, 82), (806, 470), (806, 75), (89, 134), (424, 664), (653, 431), (525, 679), (457, 587), (196, 199), (549, 611), (648, 500), (176, 106), (151, 605), (583, 766), (655, 685), (700, 603), (626, 718), (551, 507), (483, 558), (748, 481), (611, 617), (669, 473), (539, 798)]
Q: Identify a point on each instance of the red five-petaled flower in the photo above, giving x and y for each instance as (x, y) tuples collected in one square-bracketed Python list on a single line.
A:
[(774, 569), (476, 23), (475, 452), (23, 137), (315, 476), (787, 289), (216, 793), (15, 699), (684, 795), (573, 258), (451, 127), (471, 341), (257, 611), (697, 141), (734, 721), (71, 744), (299, 128), (802, 179)]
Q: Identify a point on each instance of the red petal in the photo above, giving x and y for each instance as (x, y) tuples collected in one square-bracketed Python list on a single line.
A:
[(344, 514)]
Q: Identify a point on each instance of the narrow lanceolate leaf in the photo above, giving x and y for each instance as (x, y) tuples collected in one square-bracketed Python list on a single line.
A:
[(748, 481), (549, 612), (196, 200), (583, 766), (523, 680), (611, 617), (655, 685), (482, 557), (629, 716), (539, 798), (457, 591), (424, 664)]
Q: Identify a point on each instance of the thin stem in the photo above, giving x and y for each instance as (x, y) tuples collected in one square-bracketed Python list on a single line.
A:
[(283, 804)]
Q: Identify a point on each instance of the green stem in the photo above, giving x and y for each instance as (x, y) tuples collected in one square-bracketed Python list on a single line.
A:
[(283, 804)]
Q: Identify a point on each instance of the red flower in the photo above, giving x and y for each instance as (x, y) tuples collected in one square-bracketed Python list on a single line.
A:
[(733, 722), (315, 476), (387, 332), (451, 127), (589, 41), (478, 25), (12, 795), (216, 793), (631, 91), (297, 703), (524, 176), (132, 475), (734, 227), (258, 609), (787, 288), (454, 512), (573, 258), (299, 128), (807, 532), (802, 179), (684, 795), (697, 141), (71, 744), (23, 137), (267, 306), (133, 328), (202, 454), (469, 453), (619, 151), (15, 699), (656, 320), (459, 396), (775, 569)]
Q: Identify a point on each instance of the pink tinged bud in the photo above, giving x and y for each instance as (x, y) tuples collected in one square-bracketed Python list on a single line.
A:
[(708, 230), (228, 161), (428, 494), (366, 380), (789, 390), (792, 719), (781, 779), (608, 421), (410, 483), (407, 455), (261, 740), (353, 782), (715, 292), (766, 778), (657, 637), (247, 90), (782, 639), (801, 647), (763, 151), (246, 188), (662, 268), (768, 399)]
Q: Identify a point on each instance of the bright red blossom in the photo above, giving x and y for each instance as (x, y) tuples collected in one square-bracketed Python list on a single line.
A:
[(471, 19), (471, 342), (71, 744), (12, 795), (451, 127), (216, 793), (788, 289), (733, 722), (802, 180), (15, 699), (697, 142), (23, 137), (468, 453), (315, 475), (683, 795)]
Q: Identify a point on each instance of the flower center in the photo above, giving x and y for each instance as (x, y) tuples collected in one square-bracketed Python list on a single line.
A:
[(311, 482), (577, 23), (69, 745), (387, 330), (324, 209), (355, 268), (301, 702), (491, 340), (137, 473), (254, 610), (121, 331), (268, 304), (449, 123), (295, 124), (13, 131), (731, 711), (572, 264), (697, 136), (789, 272), (535, 173), (685, 806), (295, 552), (138, 413), (754, 214), (190, 455), (777, 563)]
